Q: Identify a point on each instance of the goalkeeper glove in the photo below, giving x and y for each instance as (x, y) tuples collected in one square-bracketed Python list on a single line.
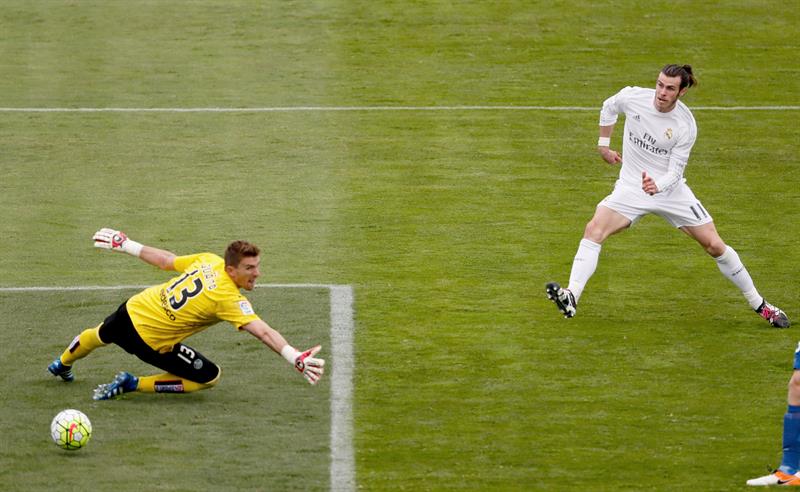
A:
[(107, 238), (305, 362)]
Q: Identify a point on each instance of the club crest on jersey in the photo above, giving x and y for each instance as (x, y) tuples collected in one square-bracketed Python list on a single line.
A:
[(246, 307), (668, 134)]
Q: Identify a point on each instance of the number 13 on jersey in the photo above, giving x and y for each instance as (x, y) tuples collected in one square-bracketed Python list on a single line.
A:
[(184, 288)]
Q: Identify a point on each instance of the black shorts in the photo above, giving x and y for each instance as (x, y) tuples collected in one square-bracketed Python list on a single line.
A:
[(183, 361)]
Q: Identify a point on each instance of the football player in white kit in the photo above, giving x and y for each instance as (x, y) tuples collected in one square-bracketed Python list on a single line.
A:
[(657, 139)]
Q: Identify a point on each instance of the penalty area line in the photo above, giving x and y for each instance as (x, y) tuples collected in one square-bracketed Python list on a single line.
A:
[(343, 476), (342, 326)]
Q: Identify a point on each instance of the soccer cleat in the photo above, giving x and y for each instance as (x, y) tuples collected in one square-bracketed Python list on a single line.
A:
[(774, 315), (122, 383), (776, 478), (563, 298), (56, 368)]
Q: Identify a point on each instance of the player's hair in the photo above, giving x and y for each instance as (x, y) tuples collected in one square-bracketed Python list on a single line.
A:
[(238, 250), (682, 71)]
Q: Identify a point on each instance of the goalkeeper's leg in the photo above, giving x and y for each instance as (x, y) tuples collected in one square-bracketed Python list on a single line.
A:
[(90, 339), (125, 382), (81, 346), (187, 370), (169, 383)]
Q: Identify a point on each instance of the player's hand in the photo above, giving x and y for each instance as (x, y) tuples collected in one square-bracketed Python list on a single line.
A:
[(311, 367), (649, 184), (610, 156), (107, 238)]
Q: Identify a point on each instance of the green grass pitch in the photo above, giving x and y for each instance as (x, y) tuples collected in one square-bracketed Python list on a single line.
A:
[(217, 439), (446, 223)]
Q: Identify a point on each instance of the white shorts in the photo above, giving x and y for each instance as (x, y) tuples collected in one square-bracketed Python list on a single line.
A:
[(679, 207)]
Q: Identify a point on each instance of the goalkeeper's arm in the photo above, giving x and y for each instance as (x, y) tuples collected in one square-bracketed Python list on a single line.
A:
[(114, 240), (311, 367)]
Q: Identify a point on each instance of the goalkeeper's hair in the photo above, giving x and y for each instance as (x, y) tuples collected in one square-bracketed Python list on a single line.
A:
[(238, 250), (682, 71)]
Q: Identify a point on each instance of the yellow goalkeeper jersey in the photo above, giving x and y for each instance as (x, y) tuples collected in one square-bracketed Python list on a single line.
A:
[(202, 295)]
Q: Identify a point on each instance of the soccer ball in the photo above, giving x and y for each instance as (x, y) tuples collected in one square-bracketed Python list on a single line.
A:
[(71, 429)]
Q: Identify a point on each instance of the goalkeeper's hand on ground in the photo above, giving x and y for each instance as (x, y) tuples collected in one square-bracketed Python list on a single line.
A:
[(305, 362), (107, 238)]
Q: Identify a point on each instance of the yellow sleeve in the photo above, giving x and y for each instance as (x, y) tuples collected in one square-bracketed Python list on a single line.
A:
[(182, 263), (238, 312)]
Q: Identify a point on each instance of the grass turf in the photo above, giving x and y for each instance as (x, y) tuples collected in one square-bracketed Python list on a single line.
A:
[(447, 223)]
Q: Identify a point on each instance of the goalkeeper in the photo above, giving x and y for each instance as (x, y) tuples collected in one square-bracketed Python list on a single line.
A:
[(153, 323)]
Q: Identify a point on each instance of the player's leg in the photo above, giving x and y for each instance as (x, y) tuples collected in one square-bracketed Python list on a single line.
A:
[(786, 474), (125, 382), (733, 269), (88, 340), (603, 224), (187, 371), (81, 346), (169, 383), (791, 423), (686, 212), (201, 373)]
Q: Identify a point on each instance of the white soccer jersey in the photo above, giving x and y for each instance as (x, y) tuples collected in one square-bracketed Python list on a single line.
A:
[(655, 142)]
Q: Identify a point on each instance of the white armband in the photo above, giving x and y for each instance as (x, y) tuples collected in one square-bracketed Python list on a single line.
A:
[(604, 141), (132, 248), (289, 353)]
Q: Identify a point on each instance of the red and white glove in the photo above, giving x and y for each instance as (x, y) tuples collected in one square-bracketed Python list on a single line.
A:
[(305, 362), (107, 238)]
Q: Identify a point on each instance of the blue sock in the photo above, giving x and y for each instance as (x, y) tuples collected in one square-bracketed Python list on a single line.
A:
[(791, 441)]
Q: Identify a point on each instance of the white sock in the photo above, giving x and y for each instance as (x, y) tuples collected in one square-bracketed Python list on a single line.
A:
[(583, 266), (731, 266)]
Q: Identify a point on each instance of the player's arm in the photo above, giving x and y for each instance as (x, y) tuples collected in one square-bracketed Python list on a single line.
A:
[(609, 114), (678, 158), (305, 362), (670, 179), (117, 241), (604, 143)]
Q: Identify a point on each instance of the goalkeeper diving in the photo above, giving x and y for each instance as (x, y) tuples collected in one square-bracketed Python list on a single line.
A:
[(153, 323)]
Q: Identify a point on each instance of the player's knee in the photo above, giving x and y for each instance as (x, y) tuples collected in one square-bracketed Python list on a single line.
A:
[(596, 232), (210, 374), (205, 377), (203, 382), (214, 381), (715, 248)]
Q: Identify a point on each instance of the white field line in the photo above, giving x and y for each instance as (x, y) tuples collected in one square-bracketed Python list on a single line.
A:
[(342, 471), (343, 478), (286, 109), (144, 286)]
